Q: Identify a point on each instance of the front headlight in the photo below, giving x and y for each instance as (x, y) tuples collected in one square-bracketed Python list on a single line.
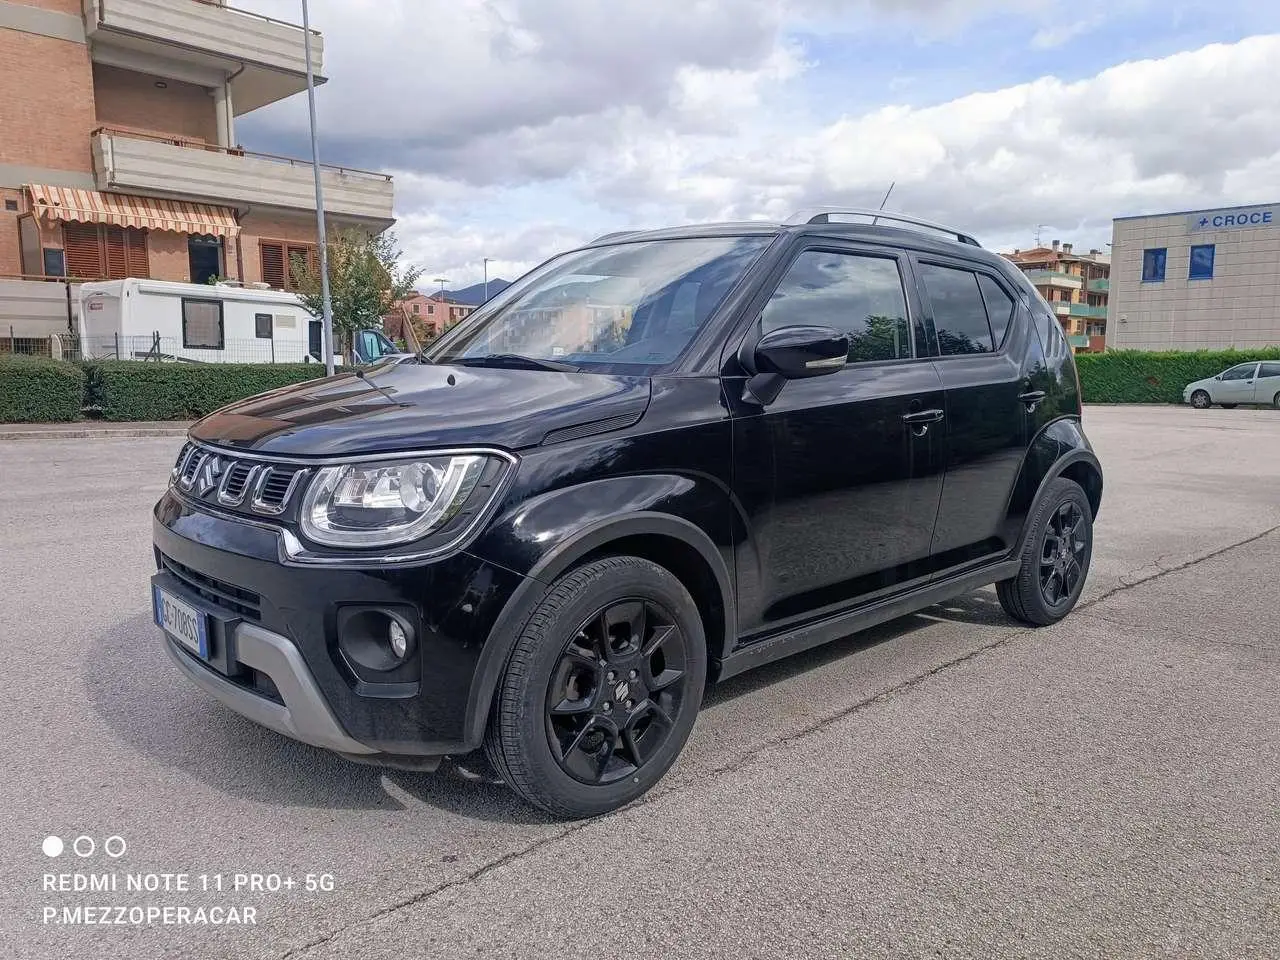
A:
[(382, 503)]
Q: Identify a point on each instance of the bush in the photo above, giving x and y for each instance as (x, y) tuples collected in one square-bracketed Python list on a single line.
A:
[(138, 390), (39, 390), (1134, 376)]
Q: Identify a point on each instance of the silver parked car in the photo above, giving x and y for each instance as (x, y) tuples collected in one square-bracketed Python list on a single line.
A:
[(1256, 382)]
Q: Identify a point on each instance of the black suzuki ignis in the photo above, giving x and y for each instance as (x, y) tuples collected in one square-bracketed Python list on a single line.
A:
[(650, 464)]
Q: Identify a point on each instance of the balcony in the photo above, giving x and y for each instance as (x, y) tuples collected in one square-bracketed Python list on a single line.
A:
[(127, 161), (1079, 341), (208, 34), (1099, 285), (1088, 312), (1054, 278)]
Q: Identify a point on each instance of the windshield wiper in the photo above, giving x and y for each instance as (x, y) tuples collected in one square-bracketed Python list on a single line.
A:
[(516, 361)]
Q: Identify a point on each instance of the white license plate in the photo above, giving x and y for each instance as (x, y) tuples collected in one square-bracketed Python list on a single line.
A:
[(182, 621)]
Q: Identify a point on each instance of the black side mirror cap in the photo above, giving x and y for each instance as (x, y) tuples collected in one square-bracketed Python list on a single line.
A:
[(801, 352)]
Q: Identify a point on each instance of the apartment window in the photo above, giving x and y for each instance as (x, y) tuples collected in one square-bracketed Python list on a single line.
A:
[(281, 262), (262, 326), (1201, 265), (11, 205), (202, 327), (1153, 262), (417, 308), (430, 309), (97, 252)]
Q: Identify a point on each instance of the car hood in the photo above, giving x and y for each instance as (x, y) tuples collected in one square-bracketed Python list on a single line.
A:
[(1199, 385), (416, 406)]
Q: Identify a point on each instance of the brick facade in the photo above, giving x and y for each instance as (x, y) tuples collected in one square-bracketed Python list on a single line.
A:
[(167, 255), (128, 99), (45, 125)]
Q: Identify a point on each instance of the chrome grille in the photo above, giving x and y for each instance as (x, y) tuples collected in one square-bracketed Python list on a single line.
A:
[(245, 484)]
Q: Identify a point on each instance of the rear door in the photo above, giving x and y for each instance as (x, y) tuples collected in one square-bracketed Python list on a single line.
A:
[(1266, 387), (838, 478), (987, 360)]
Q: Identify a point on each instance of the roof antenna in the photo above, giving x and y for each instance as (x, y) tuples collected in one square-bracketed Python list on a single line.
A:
[(1039, 227), (885, 200)]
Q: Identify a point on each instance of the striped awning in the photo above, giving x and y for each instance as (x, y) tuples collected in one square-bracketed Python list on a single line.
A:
[(145, 213)]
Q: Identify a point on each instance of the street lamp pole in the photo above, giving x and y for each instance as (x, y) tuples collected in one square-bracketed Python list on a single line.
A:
[(486, 279), (444, 308), (325, 297)]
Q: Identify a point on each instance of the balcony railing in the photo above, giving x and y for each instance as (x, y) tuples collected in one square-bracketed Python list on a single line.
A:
[(1055, 278), (1099, 285), (1088, 312), (267, 56), (127, 160)]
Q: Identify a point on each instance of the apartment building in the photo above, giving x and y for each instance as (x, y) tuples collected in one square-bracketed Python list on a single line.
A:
[(1197, 279), (119, 155), (1076, 285)]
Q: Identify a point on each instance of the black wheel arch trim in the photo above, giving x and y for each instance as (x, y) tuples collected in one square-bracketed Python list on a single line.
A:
[(1056, 470), (565, 555)]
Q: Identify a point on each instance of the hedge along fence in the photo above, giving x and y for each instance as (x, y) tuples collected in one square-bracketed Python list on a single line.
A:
[(38, 390), (138, 390), (1133, 376)]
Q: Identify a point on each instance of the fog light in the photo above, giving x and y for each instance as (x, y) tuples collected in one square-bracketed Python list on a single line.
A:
[(399, 642)]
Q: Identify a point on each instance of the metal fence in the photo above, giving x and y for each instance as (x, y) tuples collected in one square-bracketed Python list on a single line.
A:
[(157, 349)]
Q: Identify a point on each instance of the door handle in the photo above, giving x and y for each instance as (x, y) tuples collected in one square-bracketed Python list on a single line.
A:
[(920, 420), (1032, 398)]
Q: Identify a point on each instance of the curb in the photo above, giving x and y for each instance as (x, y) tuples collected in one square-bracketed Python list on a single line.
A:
[(91, 433)]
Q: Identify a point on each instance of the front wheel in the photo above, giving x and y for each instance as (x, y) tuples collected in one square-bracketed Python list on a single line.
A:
[(1275, 401), (602, 689), (1200, 400), (1056, 553)]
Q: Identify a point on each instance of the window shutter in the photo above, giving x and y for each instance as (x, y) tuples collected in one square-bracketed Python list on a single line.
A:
[(137, 263), (301, 256), (113, 244), (83, 250), (273, 273)]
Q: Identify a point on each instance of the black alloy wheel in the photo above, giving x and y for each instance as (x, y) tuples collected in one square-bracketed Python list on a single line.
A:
[(1066, 539), (1054, 559), (617, 691)]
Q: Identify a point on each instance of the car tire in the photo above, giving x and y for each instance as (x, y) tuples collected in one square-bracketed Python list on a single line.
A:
[(601, 689), (1200, 400), (1275, 401), (1056, 552)]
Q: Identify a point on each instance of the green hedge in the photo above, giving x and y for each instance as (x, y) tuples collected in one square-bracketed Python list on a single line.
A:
[(138, 390), (38, 390), (1133, 376)]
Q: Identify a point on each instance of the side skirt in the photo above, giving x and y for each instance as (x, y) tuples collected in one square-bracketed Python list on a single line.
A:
[(842, 625)]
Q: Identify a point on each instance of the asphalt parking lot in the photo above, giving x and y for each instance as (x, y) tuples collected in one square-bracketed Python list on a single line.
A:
[(948, 785)]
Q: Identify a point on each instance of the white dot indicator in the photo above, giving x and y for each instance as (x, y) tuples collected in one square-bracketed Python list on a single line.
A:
[(52, 846)]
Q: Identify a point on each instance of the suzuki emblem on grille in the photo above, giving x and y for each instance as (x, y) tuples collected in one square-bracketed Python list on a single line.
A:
[(207, 475)]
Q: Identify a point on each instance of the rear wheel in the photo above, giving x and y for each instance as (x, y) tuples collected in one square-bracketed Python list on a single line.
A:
[(602, 689), (1200, 400), (1275, 401), (1055, 557)]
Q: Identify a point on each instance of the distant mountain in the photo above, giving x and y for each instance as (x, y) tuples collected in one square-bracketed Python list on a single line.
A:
[(474, 295)]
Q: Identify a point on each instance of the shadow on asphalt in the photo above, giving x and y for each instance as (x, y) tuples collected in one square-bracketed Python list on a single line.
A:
[(148, 705)]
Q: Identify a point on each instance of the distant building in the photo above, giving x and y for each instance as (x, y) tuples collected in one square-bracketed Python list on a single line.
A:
[(1076, 285), (428, 314), (1197, 279)]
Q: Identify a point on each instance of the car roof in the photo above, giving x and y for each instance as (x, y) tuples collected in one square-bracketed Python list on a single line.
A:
[(914, 239)]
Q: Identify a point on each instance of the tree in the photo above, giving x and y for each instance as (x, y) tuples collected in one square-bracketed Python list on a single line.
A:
[(366, 281)]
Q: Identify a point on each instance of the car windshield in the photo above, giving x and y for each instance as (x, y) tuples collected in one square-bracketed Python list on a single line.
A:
[(623, 308)]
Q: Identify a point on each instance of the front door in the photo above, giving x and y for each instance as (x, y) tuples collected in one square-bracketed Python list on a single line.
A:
[(1236, 385), (838, 491), (987, 363)]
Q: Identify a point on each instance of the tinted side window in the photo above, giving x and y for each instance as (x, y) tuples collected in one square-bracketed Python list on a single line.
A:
[(1270, 370), (959, 315), (999, 308), (858, 295)]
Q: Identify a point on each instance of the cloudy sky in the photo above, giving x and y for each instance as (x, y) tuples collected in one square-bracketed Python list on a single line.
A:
[(516, 128)]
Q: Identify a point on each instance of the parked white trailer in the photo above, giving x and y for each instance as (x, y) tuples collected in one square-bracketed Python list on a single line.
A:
[(157, 319)]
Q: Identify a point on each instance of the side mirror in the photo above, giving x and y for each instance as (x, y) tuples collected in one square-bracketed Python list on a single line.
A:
[(799, 353), (793, 353)]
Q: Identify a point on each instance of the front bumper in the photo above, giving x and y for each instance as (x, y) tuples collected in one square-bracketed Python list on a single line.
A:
[(275, 656)]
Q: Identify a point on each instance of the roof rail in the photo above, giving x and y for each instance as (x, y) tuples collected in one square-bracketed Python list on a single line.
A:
[(612, 236), (824, 215)]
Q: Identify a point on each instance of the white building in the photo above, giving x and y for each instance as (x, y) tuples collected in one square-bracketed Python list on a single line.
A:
[(1201, 279)]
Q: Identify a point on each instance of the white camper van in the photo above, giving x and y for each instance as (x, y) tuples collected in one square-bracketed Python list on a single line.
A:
[(157, 319)]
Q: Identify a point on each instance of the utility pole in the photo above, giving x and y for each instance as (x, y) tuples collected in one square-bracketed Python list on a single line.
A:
[(325, 297), (444, 306), (486, 278)]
